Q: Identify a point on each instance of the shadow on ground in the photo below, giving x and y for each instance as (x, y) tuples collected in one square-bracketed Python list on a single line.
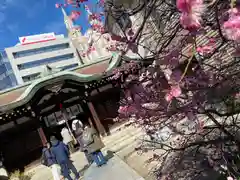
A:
[(109, 155)]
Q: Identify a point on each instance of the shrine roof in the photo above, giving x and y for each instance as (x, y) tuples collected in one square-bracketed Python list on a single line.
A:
[(20, 95)]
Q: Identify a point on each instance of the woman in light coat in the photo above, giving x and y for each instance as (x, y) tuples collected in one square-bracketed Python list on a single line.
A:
[(93, 145), (67, 139)]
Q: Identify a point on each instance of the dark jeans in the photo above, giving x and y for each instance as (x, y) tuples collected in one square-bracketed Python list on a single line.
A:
[(65, 167), (98, 158)]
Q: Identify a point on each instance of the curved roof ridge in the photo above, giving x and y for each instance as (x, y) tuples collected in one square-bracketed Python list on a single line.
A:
[(30, 91)]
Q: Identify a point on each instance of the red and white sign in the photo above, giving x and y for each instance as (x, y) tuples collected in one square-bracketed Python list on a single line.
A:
[(37, 38)]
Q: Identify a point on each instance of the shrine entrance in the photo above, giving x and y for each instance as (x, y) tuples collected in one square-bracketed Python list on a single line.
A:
[(46, 107), (30, 114), (50, 108)]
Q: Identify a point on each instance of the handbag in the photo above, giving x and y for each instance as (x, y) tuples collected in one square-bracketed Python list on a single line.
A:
[(87, 138), (44, 160)]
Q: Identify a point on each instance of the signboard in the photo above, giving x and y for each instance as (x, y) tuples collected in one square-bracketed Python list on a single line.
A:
[(37, 38)]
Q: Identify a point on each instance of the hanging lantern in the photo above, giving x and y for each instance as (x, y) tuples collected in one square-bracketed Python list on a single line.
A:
[(60, 106)]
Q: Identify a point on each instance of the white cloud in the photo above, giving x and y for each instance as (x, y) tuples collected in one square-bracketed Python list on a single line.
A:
[(13, 27)]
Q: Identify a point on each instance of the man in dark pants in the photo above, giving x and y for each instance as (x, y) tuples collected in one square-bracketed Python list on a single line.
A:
[(61, 153)]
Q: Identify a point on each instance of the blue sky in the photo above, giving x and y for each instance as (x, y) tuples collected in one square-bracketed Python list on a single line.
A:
[(32, 17)]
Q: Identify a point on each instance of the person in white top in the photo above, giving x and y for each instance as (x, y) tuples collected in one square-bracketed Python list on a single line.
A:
[(77, 127), (3, 171), (67, 139), (76, 124)]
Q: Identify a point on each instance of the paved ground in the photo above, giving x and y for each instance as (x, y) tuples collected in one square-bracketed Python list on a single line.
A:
[(115, 169)]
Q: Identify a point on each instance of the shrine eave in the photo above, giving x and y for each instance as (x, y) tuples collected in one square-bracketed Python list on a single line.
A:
[(21, 95)]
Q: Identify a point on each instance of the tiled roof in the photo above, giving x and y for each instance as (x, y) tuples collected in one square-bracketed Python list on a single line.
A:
[(87, 72)]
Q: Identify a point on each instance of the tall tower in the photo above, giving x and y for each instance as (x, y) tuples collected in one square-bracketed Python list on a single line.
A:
[(74, 35), (72, 32)]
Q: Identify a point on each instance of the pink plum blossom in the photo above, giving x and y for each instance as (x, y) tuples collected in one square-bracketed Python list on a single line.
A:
[(174, 93), (57, 5), (232, 26), (208, 48), (204, 49), (69, 1), (191, 12), (75, 15), (123, 109)]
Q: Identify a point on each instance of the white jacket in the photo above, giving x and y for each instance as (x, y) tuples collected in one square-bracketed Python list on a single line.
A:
[(66, 136)]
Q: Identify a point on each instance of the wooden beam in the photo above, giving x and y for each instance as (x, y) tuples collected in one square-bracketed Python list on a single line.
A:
[(96, 118)]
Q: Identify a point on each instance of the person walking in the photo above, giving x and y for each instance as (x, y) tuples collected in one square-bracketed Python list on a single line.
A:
[(67, 139), (93, 144), (61, 153), (3, 171), (77, 127), (49, 160)]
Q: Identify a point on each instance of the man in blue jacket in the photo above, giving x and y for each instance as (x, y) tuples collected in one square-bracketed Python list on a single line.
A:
[(61, 153)]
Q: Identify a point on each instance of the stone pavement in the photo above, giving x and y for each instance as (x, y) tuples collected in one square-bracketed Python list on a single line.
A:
[(115, 169), (122, 142)]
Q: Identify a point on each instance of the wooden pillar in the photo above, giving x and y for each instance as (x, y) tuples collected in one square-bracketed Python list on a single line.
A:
[(42, 136), (40, 129), (96, 118)]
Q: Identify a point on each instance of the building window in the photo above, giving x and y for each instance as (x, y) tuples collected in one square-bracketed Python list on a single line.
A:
[(30, 77), (45, 61), (40, 50), (69, 66)]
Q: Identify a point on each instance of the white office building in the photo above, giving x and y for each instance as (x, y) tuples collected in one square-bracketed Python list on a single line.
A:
[(29, 57)]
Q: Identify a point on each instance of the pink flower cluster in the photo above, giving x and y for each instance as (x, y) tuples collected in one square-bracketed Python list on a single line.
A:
[(94, 16), (173, 93), (58, 5), (191, 12), (208, 48), (98, 27), (232, 26), (69, 1), (116, 43), (125, 110), (89, 50), (75, 15), (74, 3)]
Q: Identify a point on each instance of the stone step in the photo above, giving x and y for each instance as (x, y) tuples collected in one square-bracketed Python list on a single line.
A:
[(119, 135), (122, 141)]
